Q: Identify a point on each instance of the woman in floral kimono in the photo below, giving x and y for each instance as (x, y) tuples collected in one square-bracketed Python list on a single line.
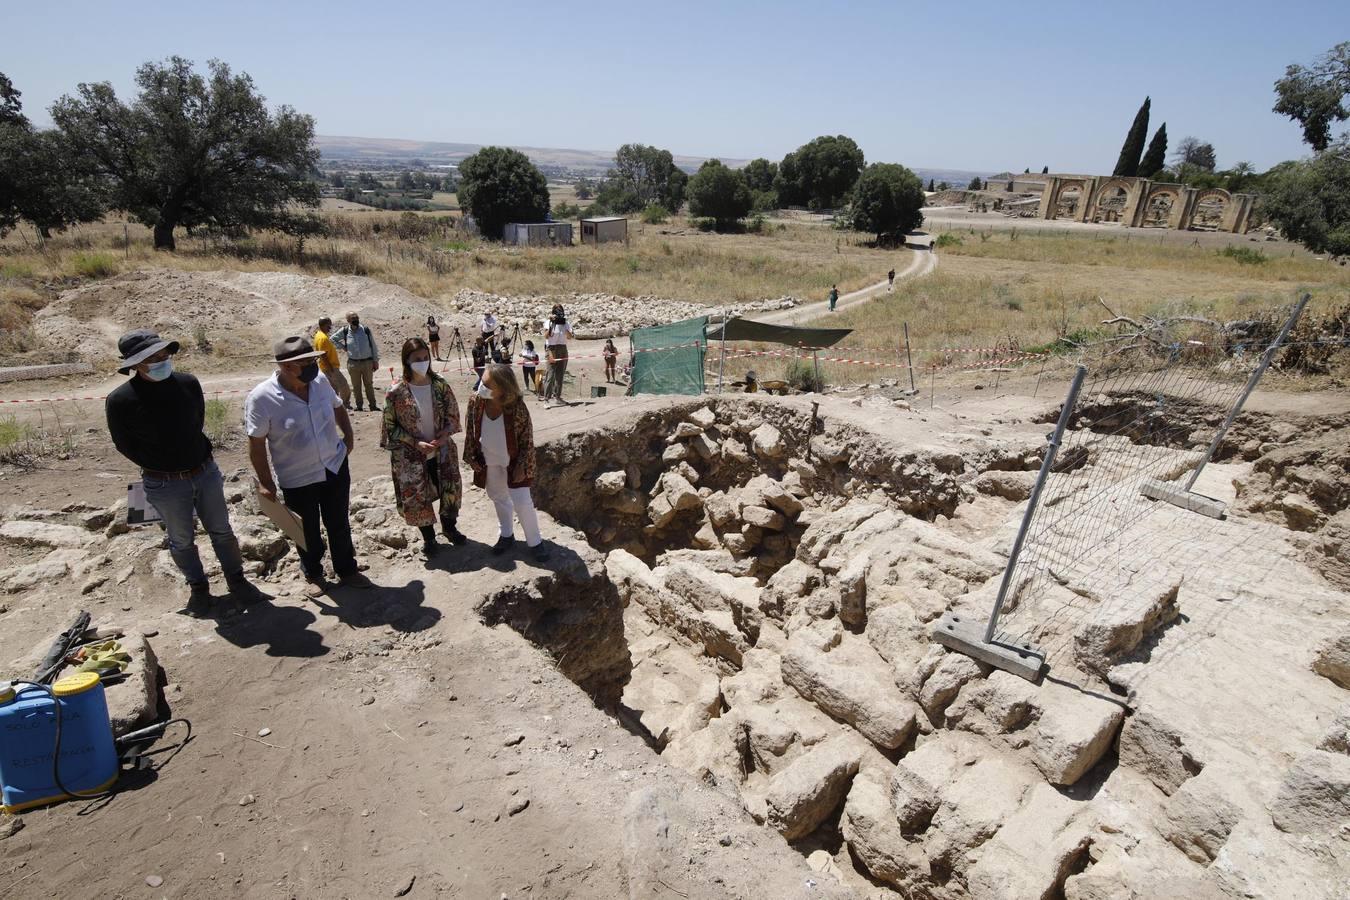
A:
[(499, 447), (420, 415)]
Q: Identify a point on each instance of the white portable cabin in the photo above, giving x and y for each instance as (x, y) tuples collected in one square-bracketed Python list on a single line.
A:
[(604, 228), (538, 234)]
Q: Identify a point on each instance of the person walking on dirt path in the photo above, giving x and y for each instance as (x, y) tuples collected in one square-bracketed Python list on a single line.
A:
[(499, 447), (363, 358), (155, 419), (329, 364), (611, 355), (434, 337), (529, 363), (890, 281), (555, 348), (297, 419), (420, 415), (834, 297)]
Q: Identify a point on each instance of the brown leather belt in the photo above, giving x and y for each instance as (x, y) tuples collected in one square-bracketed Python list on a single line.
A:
[(178, 476)]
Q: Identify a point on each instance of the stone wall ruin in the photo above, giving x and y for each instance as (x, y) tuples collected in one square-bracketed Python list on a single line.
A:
[(1142, 203)]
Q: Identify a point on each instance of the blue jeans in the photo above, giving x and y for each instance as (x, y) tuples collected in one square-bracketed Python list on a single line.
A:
[(180, 502)]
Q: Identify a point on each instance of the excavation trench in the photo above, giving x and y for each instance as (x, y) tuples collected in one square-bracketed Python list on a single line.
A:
[(758, 606)]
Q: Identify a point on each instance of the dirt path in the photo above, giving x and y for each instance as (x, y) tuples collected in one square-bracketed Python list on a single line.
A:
[(921, 263)]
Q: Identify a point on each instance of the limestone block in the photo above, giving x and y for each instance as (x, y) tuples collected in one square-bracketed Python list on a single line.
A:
[(661, 512), (1073, 732), (973, 808), (871, 831), (734, 450), (134, 702), (675, 453), (263, 543), (395, 538), (1015, 486), (1033, 853), (672, 694), (25, 533), (1155, 748), (686, 430), (953, 672), (680, 493), (634, 581), (722, 511), (687, 472), (851, 683), (1116, 630), (759, 682), (608, 484), (705, 447), (1332, 659), (768, 441), (50, 570), (1315, 794), (808, 791), (713, 755), (705, 538), (786, 587), (912, 799), (1337, 738), (782, 731), (760, 517), (827, 531), (703, 417), (1198, 819), (997, 705)]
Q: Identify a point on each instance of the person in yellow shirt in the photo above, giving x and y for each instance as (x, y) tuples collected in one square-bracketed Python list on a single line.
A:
[(329, 364)]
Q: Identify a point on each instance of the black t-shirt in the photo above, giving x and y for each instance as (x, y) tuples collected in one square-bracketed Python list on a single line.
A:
[(158, 424)]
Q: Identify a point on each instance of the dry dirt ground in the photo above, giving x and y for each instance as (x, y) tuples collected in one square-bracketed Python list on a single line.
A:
[(639, 719)]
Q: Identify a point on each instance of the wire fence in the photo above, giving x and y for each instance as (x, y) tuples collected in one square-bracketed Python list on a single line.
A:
[(1152, 411)]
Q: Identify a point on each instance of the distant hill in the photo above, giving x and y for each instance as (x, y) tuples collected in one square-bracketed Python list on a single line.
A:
[(392, 150), (553, 160)]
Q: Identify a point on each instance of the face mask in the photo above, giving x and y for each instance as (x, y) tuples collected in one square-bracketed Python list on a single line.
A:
[(160, 370), (484, 391), (354, 322), (420, 366), (309, 372)]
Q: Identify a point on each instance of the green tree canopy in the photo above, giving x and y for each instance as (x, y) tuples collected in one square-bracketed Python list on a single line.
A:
[(193, 150), (1133, 148), (643, 175), (819, 174), (1155, 157), (498, 185), (719, 193), (1196, 154), (886, 201), (37, 181), (760, 173), (1310, 200), (1315, 97), (975, 184)]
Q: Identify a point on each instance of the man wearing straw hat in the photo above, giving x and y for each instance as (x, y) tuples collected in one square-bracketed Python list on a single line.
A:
[(156, 421), (298, 419)]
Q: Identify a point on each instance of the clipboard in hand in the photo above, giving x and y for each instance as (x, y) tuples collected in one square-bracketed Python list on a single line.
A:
[(283, 518)]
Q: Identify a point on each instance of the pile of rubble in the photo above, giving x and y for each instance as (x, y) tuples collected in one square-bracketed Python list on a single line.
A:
[(778, 604), (599, 315)]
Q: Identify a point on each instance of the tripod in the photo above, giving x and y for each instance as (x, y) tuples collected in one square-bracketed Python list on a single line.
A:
[(456, 343)]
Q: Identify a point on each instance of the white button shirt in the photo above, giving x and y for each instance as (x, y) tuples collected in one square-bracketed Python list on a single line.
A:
[(303, 438)]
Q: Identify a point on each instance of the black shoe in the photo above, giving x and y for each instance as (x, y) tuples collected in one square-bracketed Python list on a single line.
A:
[(244, 593), (374, 408), (430, 548), (455, 536), (358, 409), (200, 604), (503, 544), (540, 552)]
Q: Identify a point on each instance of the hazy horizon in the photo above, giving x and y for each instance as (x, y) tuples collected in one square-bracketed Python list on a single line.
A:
[(976, 90)]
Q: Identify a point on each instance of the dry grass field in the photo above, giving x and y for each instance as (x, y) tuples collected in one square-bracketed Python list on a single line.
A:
[(989, 289)]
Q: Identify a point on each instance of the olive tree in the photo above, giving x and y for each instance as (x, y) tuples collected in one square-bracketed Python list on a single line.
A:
[(194, 150), (498, 185)]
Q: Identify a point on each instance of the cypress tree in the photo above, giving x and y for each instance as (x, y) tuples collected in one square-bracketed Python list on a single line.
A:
[(1133, 148), (1156, 155)]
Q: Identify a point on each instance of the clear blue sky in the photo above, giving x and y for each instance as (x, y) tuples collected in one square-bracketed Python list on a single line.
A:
[(982, 86)]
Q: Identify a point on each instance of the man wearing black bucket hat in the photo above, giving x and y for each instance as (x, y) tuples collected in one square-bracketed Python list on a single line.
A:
[(297, 418), (156, 420)]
